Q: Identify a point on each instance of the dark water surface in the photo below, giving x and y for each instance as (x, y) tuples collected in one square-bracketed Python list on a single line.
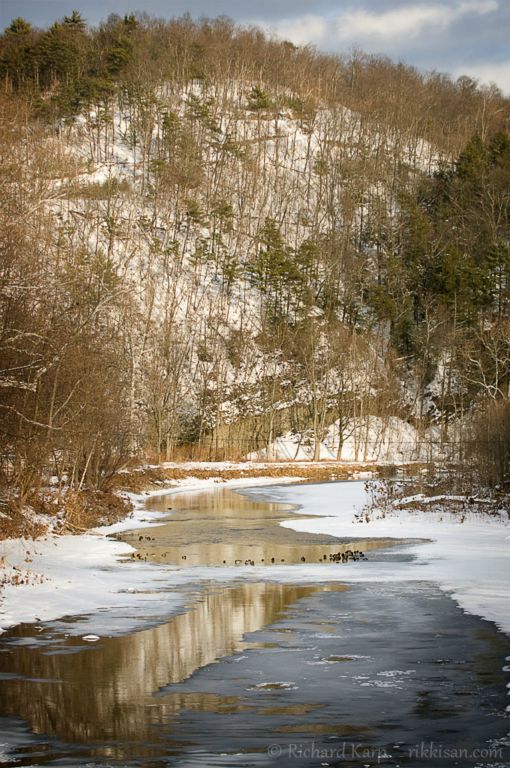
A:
[(257, 674), (265, 674)]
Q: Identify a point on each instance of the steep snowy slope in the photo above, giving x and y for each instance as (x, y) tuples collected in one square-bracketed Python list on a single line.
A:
[(221, 218)]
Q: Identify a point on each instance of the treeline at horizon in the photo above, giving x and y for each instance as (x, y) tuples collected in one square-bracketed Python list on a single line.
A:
[(70, 65)]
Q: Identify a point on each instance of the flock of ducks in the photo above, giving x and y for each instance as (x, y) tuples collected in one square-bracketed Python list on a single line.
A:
[(345, 557), (337, 557)]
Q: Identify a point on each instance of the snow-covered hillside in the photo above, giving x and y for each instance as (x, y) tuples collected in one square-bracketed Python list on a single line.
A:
[(220, 245), (217, 215)]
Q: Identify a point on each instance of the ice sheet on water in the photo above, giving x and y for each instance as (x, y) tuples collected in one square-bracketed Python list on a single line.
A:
[(469, 560), (275, 686), (88, 576)]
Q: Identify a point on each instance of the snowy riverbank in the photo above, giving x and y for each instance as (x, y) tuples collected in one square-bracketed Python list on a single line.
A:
[(467, 555), (93, 575), (55, 576)]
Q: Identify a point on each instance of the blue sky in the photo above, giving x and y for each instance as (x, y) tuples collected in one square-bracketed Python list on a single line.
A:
[(468, 37)]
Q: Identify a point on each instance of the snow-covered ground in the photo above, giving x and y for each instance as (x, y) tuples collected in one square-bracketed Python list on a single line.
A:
[(467, 555), (93, 576), (368, 439)]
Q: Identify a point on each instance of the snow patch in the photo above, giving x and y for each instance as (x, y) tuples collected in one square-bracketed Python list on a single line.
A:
[(467, 556), (93, 575), (367, 439)]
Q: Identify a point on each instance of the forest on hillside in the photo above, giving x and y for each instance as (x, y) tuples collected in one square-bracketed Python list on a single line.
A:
[(210, 239)]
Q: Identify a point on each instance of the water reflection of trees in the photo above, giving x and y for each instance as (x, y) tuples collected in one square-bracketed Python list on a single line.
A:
[(104, 693), (227, 528)]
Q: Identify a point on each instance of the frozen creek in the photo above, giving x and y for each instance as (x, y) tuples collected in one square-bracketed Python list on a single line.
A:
[(201, 662)]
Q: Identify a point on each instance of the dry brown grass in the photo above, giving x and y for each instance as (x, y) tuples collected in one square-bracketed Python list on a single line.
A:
[(69, 513), (153, 477), (21, 521), (88, 509)]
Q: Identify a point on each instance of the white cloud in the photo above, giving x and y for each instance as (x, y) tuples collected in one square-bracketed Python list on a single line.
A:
[(410, 21), (488, 72), (366, 26), (303, 30)]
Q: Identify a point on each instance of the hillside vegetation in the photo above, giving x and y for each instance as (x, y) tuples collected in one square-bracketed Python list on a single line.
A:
[(210, 239)]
